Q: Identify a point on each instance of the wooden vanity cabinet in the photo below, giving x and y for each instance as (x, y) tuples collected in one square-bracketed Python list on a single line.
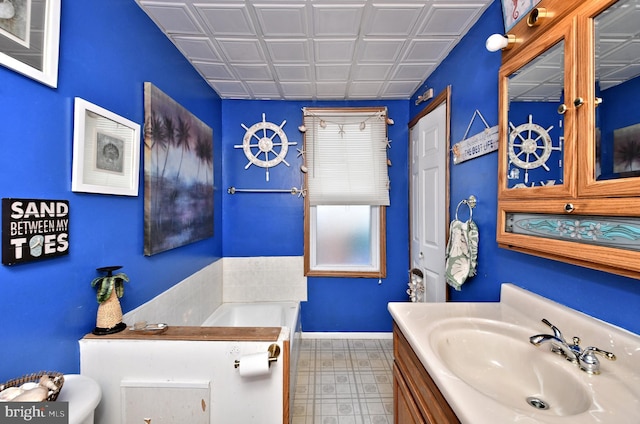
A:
[(567, 200), (416, 397)]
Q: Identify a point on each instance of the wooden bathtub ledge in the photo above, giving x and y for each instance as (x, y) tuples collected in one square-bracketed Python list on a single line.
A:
[(190, 333)]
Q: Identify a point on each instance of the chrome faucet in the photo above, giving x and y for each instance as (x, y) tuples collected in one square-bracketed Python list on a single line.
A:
[(585, 358)]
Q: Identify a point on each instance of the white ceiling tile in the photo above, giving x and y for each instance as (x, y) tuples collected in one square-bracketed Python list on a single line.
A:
[(365, 89), (298, 73), (263, 89), (235, 89), (215, 71), (392, 19), (620, 75), (333, 90), (413, 72), (395, 89), (333, 72), (380, 50), (242, 50), (282, 20), (173, 18), (367, 72), (337, 20), (197, 48), (450, 19), (288, 51), (297, 89), (334, 51), (625, 53), (254, 72), (427, 50), (226, 19)]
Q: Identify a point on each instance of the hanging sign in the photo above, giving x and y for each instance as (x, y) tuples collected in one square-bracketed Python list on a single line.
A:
[(478, 145), (34, 229)]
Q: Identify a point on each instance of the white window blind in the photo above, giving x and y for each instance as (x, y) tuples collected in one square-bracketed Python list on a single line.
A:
[(346, 156)]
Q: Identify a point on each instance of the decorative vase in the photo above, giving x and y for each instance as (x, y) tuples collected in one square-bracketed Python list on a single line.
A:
[(109, 318)]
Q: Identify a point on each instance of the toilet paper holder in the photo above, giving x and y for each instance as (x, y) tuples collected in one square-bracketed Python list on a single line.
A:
[(274, 352)]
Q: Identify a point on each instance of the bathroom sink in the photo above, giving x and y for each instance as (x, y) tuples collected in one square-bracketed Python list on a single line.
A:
[(497, 360), (480, 358)]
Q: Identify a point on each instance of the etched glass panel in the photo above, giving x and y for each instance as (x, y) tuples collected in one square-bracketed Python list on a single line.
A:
[(619, 232)]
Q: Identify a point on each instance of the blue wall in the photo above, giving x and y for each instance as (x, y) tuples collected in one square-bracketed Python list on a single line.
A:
[(272, 224), (472, 73), (108, 48)]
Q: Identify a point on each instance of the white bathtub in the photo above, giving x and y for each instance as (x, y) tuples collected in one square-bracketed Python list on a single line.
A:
[(260, 314)]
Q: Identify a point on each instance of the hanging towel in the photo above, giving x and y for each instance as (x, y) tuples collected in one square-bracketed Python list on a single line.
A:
[(462, 252)]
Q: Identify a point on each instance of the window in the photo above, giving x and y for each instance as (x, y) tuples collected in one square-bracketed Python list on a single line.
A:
[(347, 190)]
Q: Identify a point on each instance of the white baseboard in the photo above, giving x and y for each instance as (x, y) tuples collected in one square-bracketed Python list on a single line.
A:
[(345, 335)]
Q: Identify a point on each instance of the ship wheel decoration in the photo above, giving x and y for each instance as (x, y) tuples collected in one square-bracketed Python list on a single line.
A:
[(265, 144), (530, 146)]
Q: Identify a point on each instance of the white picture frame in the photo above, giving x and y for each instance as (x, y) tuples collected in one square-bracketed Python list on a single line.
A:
[(30, 38), (106, 151)]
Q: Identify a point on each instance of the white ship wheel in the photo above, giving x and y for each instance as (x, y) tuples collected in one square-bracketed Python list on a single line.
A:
[(530, 146), (270, 141)]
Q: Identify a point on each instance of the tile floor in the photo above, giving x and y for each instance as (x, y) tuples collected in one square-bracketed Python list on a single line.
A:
[(344, 381)]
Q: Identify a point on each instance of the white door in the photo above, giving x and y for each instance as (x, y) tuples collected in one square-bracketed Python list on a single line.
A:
[(428, 201)]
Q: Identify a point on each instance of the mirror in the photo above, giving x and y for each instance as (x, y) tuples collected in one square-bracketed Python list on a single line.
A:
[(536, 130), (617, 74)]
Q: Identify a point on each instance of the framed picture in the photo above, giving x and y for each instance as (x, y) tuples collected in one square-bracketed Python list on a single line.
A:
[(106, 151), (30, 38), (178, 172), (626, 151), (514, 10)]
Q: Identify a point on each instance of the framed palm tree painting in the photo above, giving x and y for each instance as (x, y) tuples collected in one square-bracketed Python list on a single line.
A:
[(178, 173)]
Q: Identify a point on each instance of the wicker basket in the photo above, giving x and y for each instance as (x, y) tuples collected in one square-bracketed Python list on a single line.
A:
[(56, 377)]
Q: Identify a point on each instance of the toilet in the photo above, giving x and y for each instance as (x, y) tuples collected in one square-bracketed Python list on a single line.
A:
[(83, 395)]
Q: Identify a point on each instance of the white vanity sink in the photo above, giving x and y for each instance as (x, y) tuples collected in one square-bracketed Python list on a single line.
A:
[(480, 357)]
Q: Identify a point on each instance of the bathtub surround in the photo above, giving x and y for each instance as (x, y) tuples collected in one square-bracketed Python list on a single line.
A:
[(258, 279), (264, 279), (171, 374), (189, 302), (186, 375)]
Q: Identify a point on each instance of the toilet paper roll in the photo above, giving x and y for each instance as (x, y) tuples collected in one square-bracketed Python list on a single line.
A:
[(254, 365)]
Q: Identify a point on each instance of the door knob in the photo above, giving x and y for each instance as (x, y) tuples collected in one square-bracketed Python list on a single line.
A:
[(562, 109), (579, 101)]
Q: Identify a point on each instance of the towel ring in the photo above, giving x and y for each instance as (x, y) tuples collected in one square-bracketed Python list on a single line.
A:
[(470, 202)]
